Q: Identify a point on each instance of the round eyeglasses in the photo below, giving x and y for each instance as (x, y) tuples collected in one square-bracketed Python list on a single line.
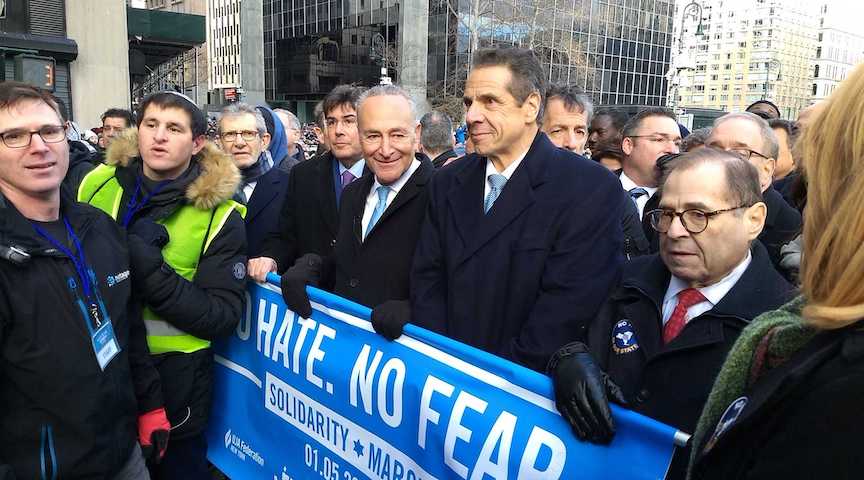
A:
[(693, 219)]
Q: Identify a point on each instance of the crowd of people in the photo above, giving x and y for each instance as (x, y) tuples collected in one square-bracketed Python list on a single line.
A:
[(636, 263)]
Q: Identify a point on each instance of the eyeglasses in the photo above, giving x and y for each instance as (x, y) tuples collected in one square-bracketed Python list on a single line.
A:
[(659, 139), (21, 138), (693, 219), (745, 153), (246, 135)]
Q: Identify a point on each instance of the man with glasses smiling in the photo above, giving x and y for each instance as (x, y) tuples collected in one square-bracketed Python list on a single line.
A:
[(750, 137), (662, 336), (78, 388)]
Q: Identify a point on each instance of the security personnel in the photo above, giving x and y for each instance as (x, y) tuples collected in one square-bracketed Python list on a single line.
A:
[(77, 386), (173, 189), (662, 336)]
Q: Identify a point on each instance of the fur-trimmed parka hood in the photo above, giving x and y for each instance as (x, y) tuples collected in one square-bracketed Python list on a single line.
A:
[(217, 182)]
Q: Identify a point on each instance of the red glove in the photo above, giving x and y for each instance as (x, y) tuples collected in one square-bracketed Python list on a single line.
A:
[(153, 431)]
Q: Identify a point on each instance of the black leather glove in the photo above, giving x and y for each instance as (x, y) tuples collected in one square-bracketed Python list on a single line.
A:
[(150, 232), (306, 271), (143, 257), (582, 393), (389, 318), (154, 452)]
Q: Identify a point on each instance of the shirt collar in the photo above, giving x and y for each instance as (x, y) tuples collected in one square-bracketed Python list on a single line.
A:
[(714, 292), (629, 184), (508, 172), (356, 169), (401, 181)]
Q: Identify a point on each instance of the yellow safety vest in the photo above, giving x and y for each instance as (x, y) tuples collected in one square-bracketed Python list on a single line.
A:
[(187, 228)]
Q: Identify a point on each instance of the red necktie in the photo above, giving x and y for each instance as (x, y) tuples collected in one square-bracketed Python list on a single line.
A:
[(686, 299)]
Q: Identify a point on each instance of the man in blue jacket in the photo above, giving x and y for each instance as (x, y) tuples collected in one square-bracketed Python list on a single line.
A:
[(522, 241)]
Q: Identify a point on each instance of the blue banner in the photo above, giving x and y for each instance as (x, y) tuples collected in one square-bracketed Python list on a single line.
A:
[(327, 398)]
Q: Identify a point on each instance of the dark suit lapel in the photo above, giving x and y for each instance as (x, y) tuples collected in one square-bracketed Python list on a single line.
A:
[(264, 193), (358, 207), (516, 196), (411, 189), (465, 198), (327, 193)]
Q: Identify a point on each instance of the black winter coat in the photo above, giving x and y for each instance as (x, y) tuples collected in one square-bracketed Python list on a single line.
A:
[(671, 382), (309, 219), (208, 307), (373, 271), (57, 403), (519, 280), (782, 224), (803, 418)]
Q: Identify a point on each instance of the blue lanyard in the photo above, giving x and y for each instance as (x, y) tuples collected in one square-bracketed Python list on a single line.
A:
[(134, 205), (78, 259)]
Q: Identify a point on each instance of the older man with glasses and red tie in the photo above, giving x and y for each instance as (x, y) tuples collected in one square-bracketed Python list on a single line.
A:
[(661, 337)]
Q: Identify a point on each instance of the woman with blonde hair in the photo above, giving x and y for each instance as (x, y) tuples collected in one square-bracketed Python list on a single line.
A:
[(787, 402)]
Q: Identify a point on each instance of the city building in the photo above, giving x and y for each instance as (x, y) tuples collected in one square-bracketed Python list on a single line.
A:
[(618, 51), (33, 31), (311, 46), (229, 65), (730, 53), (840, 47)]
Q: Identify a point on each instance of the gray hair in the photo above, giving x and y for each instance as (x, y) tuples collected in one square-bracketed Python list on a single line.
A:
[(436, 133), (769, 139), (240, 108), (697, 138), (389, 91), (572, 97), (742, 178), (292, 119)]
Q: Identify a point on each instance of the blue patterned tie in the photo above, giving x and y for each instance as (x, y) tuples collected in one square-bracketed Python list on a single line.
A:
[(637, 192), (496, 184), (379, 209)]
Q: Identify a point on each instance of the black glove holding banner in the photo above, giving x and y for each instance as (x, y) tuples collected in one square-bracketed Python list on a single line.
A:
[(306, 271), (389, 318), (582, 393)]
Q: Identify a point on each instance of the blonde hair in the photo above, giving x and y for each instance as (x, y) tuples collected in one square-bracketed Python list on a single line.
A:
[(832, 149)]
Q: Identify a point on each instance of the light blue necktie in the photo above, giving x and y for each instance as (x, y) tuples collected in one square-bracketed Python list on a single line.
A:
[(379, 209), (635, 193), (496, 184)]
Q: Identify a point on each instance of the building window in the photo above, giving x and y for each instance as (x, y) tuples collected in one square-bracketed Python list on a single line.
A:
[(816, 71), (814, 89)]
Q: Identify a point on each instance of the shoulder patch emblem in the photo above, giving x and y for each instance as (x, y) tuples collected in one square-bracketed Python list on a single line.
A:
[(624, 338), (239, 270)]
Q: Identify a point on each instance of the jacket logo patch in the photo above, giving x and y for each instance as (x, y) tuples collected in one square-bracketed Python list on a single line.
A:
[(624, 338), (117, 278), (733, 411), (239, 270)]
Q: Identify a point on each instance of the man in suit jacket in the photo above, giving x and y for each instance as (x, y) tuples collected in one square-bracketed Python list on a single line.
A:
[(379, 218), (309, 218), (751, 138), (436, 138), (243, 134), (652, 133), (662, 336), (514, 256), (566, 115)]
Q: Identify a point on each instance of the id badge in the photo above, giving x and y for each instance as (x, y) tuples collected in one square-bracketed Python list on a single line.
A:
[(105, 344)]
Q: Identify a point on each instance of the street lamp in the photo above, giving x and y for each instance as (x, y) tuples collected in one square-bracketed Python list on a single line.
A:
[(673, 76), (697, 13), (768, 64)]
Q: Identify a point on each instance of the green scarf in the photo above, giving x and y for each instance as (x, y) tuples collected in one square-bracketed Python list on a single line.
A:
[(769, 340)]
